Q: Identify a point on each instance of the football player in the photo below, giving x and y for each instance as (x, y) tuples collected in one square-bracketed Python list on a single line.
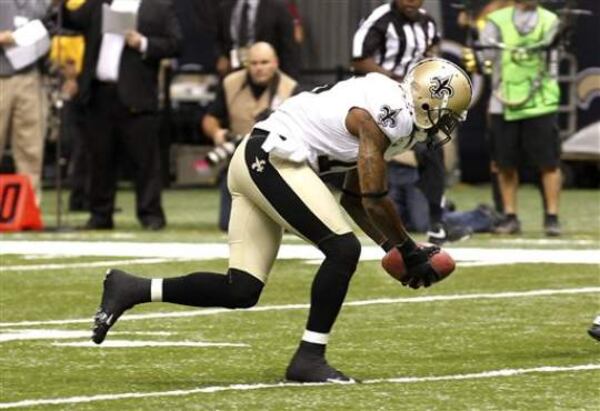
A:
[(354, 127)]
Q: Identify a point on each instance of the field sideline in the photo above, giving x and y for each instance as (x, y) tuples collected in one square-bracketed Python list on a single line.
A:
[(507, 331)]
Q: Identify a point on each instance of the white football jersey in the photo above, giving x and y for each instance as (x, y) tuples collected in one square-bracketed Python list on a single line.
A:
[(311, 126)]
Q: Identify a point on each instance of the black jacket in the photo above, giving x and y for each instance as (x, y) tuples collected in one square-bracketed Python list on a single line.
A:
[(274, 24), (138, 73)]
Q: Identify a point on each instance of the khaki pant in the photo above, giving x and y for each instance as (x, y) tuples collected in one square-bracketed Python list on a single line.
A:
[(22, 120), (299, 202)]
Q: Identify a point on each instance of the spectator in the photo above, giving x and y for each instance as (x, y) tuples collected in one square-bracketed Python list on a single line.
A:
[(524, 106), (118, 87), (21, 95), (393, 37), (245, 97), (412, 205), (246, 22)]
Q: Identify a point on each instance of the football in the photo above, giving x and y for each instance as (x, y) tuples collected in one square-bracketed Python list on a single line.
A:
[(393, 264)]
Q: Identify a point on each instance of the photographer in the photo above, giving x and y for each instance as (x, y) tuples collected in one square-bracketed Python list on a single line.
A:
[(245, 97)]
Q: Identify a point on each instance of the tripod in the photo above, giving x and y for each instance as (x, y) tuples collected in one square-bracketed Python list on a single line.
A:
[(58, 102)]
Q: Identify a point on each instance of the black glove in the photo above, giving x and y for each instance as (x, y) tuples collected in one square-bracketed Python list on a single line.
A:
[(419, 271)]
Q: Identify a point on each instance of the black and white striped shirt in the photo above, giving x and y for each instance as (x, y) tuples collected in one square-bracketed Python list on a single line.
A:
[(393, 41)]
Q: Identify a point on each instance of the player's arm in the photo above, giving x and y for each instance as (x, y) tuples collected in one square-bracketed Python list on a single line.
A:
[(351, 200), (372, 176)]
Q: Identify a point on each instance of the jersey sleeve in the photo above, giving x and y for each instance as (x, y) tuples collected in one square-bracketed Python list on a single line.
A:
[(385, 101)]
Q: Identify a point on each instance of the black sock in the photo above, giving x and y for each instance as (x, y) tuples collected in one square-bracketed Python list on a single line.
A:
[(511, 216), (328, 291), (551, 218), (330, 285), (236, 289)]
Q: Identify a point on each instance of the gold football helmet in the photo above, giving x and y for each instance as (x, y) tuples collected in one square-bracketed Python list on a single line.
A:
[(441, 93)]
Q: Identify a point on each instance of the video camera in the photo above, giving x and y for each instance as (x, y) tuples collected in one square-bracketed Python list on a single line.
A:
[(223, 152)]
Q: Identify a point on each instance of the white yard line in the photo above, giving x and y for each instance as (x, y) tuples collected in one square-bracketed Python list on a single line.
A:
[(89, 264), (139, 344), (462, 263), (250, 387), (209, 251), (544, 241), (47, 334), (402, 300)]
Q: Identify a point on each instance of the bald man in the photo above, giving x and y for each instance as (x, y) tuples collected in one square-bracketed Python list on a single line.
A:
[(245, 97)]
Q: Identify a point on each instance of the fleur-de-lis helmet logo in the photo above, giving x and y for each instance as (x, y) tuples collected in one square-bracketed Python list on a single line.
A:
[(440, 87), (387, 116)]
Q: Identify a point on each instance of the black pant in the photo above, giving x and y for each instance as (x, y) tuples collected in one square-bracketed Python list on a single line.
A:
[(112, 126), (79, 162), (432, 178), (533, 141)]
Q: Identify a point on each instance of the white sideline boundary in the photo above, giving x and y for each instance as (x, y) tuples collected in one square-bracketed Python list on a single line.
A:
[(46, 334), (211, 251), (510, 372), (357, 303), (142, 344), (88, 264)]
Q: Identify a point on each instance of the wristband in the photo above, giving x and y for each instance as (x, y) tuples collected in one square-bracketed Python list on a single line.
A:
[(387, 245), (351, 193)]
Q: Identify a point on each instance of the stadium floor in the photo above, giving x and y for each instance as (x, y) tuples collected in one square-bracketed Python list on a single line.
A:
[(506, 331)]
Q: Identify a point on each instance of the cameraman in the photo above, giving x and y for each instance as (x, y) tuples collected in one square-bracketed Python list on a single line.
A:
[(246, 96)]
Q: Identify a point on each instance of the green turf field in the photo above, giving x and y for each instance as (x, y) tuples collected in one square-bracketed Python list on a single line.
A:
[(497, 337)]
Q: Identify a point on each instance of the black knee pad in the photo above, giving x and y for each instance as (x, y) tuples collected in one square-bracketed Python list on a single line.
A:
[(243, 289), (343, 250)]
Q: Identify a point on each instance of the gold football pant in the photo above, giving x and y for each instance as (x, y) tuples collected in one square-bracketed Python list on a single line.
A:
[(270, 194)]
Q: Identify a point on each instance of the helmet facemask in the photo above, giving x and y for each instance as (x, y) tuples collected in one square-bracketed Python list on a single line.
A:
[(442, 120)]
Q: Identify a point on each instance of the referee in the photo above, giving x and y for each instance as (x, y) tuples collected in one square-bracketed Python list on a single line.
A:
[(391, 39), (394, 36)]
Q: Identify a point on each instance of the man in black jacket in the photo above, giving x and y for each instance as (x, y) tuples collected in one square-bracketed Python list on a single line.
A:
[(119, 89), (245, 22)]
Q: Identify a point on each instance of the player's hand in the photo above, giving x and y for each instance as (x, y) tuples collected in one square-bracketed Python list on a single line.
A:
[(6, 38), (133, 39), (419, 272)]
